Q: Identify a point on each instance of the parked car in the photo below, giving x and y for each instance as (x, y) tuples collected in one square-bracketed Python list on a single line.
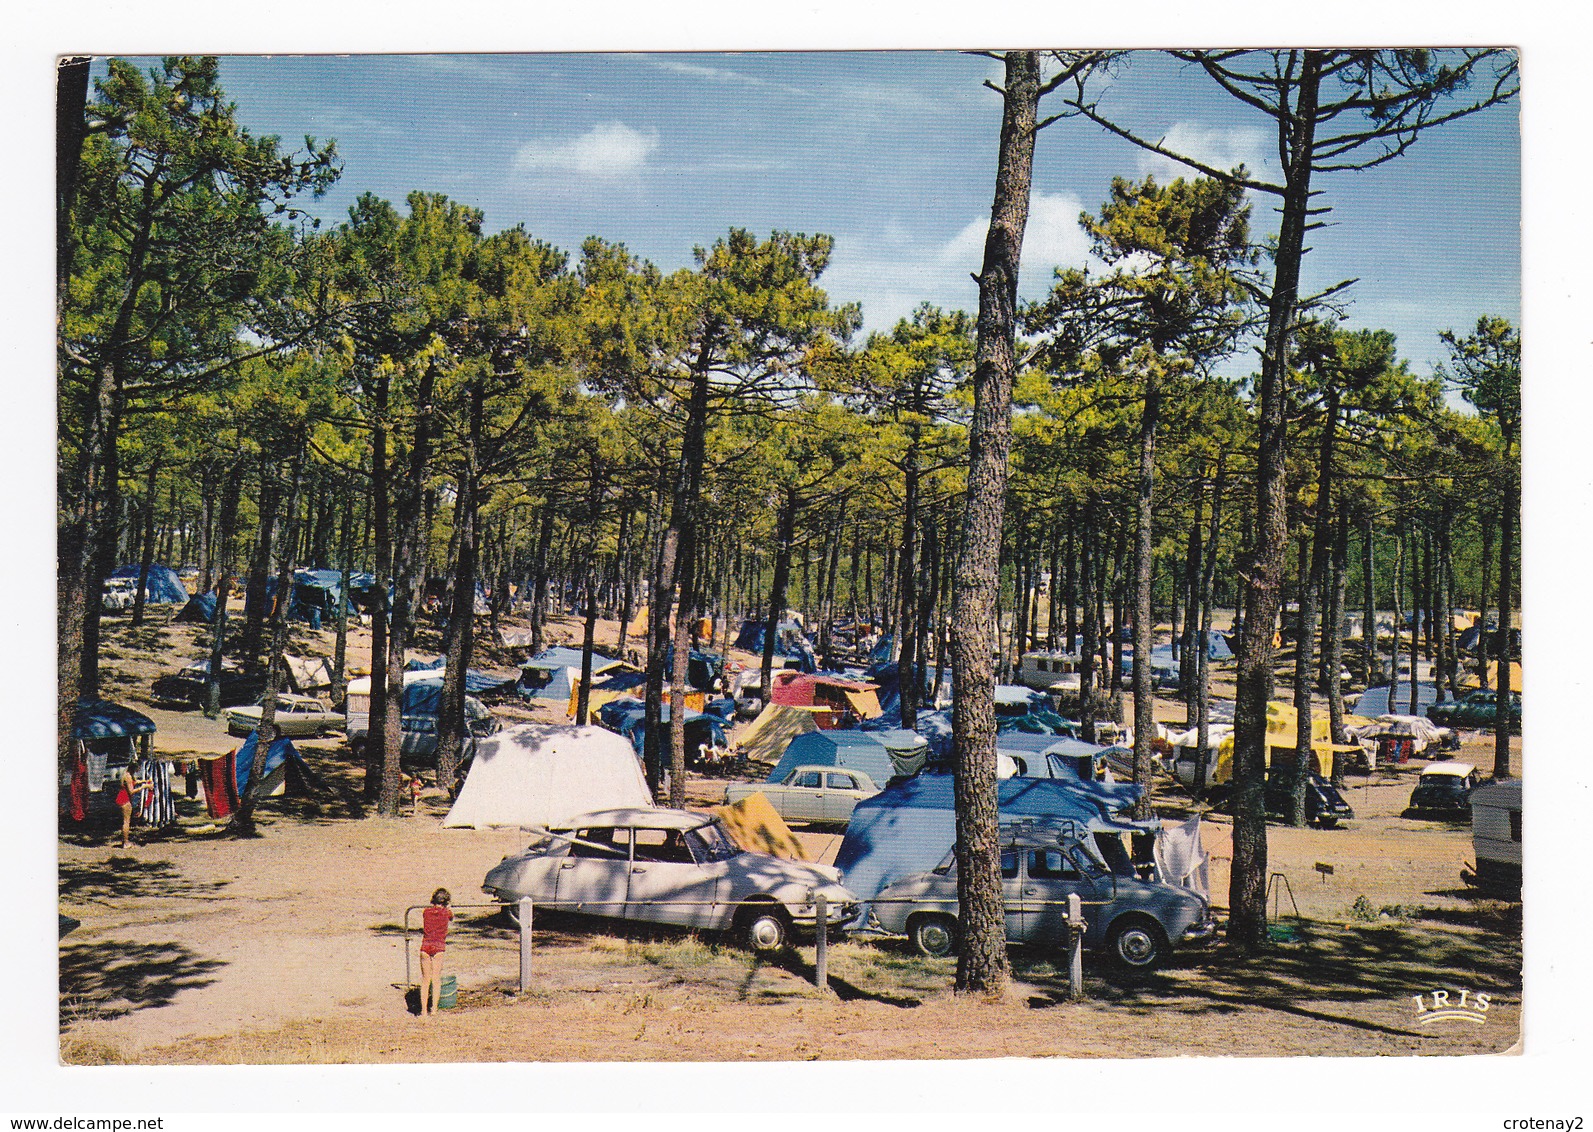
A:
[(188, 687), (1475, 710), (296, 716), (1444, 788), (671, 867), (1325, 807), (1136, 923), (813, 794), (417, 719)]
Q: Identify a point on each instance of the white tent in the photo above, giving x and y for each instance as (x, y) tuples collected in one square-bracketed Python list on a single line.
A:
[(537, 774)]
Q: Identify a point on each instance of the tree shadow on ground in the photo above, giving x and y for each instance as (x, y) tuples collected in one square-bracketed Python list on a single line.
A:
[(127, 878), (1335, 974), (792, 963), (112, 978)]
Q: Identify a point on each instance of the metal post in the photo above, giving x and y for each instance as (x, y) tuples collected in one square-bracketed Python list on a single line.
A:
[(525, 944), (821, 959), (1075, 947)]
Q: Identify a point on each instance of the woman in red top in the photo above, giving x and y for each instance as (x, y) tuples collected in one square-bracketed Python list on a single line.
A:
[(433, 942)]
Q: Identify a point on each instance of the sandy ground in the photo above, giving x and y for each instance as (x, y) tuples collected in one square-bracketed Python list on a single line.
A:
[(289, 947)]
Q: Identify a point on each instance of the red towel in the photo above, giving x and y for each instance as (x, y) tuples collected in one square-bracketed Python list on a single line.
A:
[(79, 789), (220, 776)]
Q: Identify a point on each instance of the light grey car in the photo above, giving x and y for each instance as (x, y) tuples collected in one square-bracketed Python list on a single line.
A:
[(817, 795), (1135, 923), (671, 867)]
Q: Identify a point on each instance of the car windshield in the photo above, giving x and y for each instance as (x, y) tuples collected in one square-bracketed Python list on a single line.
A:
[(711, 843)]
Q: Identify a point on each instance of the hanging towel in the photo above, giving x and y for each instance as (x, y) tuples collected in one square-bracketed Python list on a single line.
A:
[(154, 803), (78, 794), (95, 777), (219, 775)]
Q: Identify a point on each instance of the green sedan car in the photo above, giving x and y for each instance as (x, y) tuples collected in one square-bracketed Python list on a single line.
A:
[(1475, 711)]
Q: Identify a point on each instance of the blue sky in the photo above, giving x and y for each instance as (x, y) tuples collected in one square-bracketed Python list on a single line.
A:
[(892, 153)]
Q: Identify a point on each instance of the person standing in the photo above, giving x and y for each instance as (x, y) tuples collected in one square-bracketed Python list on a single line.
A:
[(433, 942), (124, 801)]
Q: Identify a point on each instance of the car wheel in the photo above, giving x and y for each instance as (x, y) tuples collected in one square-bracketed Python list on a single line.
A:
[(764, 929), (1137, 944), (933, 934)]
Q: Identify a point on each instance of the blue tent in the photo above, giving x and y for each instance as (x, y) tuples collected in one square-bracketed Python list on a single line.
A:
[(1037, 721), (1375, 701), (101, 719), (788, 639), (617, 715), (162, 587), (1216, 647), (1015, 699), (701, 728), (858, 750), (476, 681), (910, 826), (201, 608), (282, 756), (552, 673)]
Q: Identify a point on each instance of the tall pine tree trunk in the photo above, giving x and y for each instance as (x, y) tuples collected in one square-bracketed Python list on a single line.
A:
[(1144, 639), (226, 530), (982, 959), (1263, 577)]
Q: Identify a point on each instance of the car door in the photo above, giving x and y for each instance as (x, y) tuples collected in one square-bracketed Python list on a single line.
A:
[(594, 876), (667, 885), (840, 795), (1051, 875), (803, 797), (306, 718)]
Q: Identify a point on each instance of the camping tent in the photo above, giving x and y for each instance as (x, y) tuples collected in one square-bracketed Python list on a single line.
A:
[(282, 768), (855, 750), (163, 586), (554, 673), (756, 825), (1469, 679), (101, 719), (536, 774), (702, 730), (910, 826), (767, 737), (621, 682), (309, 675), (826, 690), (201, 608), (1377, 701), (1282, 734), (908, 749)]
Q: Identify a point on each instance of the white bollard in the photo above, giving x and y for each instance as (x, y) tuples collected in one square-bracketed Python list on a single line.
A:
[(1076, 947), (525, 944), (821, 957)]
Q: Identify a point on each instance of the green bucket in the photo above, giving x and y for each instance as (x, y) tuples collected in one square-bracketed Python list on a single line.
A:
[(1282, 932), (448, 993)]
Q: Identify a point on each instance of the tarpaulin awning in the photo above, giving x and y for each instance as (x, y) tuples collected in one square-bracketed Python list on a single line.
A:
[(101, 719)]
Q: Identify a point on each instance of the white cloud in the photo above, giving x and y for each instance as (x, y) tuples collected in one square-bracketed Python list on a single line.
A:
[(1219, 148), (609, 151), (721, 75), (1051, 239), (890, 273)]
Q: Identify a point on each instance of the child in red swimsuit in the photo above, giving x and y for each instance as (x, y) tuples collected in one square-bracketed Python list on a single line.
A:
[(124, 801), (433, 942)]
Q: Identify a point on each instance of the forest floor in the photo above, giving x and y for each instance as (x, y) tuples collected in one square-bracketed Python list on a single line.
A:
[(196, 948)]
